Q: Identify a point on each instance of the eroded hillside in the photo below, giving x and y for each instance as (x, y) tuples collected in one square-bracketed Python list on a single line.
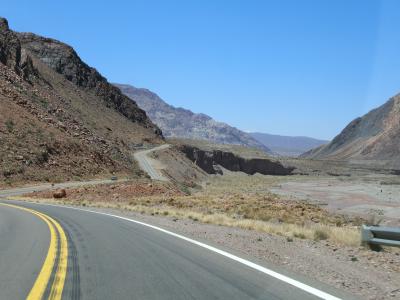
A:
[(373, 138), (60, 116)]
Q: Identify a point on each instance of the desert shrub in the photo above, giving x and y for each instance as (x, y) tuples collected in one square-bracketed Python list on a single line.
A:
[(320, 234), (185, 190), (299, 235), (42, 157), (10, 125), (12, 169), (7, 173)]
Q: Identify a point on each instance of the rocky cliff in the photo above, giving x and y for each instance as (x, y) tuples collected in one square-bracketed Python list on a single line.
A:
[(374, 137), (64, 60), (59, 118), (209, 161), (182, 123)]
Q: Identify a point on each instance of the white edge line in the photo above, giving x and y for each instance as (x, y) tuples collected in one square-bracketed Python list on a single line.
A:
[(248, 263)]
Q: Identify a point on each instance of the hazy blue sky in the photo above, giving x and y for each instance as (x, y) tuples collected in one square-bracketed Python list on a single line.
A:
[(287, 67)]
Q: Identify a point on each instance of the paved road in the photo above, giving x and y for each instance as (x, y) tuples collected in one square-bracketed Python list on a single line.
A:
[(24, 240), (148, 165), (114, 258)]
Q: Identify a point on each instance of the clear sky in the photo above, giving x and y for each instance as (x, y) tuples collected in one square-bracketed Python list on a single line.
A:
[(286, 67)]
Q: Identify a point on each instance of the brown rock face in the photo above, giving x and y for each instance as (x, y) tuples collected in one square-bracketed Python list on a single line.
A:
[(10, 47), (64, 60), (374, 137), (210, 161)]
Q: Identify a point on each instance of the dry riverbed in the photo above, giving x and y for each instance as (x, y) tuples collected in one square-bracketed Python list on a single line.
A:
[(375, 198)]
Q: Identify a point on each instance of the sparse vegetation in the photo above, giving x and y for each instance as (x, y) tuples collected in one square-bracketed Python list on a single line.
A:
[(373, 219), (232, 200), (10, 125), (348, 236), (320, 234), (42, 156)]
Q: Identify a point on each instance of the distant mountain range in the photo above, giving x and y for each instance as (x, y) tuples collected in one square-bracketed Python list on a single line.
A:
[(372, 137), (287, 145), (182, 123)]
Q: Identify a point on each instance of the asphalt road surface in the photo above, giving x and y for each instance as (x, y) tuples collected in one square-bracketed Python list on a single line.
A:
[(148, 165), (66, 253)]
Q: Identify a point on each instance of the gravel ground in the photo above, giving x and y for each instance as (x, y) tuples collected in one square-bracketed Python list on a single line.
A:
[(364, 273), (349, 196)]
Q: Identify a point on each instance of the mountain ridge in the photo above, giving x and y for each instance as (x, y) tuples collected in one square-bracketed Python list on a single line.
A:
[(288, 145), (177, 122), (374, 137)]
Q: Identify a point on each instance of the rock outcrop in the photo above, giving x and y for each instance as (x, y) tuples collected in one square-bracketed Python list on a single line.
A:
[(210, 161), (64, 60), (178, 122)]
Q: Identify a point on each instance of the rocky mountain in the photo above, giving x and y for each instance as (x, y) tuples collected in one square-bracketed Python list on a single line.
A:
[(182, 123), (374, 137), (288, 145), (59, 116)]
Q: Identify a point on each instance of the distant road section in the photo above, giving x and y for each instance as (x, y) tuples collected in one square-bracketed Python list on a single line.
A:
[(149, 165)]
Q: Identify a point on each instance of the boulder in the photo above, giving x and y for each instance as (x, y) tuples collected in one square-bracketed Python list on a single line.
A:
[(59, 194)]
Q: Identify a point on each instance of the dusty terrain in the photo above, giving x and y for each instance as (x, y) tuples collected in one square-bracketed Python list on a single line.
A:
[(235, 199), (306, 224), (374, 198)]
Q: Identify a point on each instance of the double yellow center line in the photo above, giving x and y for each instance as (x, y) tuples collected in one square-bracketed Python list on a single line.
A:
[(58, 249)]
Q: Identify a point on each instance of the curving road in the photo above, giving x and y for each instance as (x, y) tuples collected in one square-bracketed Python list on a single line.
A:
[(111, 257), (148, 165)]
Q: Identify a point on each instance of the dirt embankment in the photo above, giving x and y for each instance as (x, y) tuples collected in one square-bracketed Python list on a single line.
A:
[(125, 192), (210, 160)]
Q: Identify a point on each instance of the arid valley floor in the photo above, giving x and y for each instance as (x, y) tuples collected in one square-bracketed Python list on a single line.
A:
[(308, 224)]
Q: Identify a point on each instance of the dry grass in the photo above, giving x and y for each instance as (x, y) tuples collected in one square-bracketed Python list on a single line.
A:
[(348, 236), (235, 200)]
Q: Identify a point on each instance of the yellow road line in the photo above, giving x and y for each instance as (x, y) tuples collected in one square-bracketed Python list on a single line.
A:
[(43, 278), (61, 273)]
